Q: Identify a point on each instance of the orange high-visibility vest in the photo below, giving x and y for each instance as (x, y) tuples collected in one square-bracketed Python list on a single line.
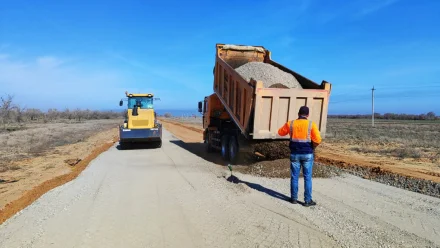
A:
[(301, 130), (302, 133)]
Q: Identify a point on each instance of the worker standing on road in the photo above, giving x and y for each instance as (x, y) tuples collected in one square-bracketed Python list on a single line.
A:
[(304, 138)]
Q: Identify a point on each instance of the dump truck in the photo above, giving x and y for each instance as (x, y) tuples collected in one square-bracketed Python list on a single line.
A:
[(140, 124), (243, 116)]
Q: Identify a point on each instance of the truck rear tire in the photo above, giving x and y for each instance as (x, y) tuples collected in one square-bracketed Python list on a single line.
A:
[(233, 150), (208, 146), (225, 147)]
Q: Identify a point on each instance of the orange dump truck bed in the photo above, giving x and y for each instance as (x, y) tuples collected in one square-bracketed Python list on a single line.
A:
[(257, 111)]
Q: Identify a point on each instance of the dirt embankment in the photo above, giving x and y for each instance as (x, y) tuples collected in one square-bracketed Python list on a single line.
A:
[(24, 180), (330, 161)]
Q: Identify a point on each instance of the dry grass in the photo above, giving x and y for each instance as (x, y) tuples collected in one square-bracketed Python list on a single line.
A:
[(187, 120), (41, 187), (5, 166), (36, 139), (400, 139)]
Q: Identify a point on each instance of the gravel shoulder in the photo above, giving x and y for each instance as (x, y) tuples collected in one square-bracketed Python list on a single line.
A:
[(361, 213)]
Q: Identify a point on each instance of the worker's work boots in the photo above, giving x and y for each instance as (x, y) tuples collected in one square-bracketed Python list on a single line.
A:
[(310, 203)]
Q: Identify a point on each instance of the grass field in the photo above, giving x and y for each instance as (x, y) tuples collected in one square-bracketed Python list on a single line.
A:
[(34, 139), (419, 140)]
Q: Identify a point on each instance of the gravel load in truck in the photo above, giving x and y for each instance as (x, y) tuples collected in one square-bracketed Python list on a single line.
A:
[(271, 76)]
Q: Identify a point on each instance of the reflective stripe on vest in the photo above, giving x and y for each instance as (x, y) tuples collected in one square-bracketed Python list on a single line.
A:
[(309, 132)]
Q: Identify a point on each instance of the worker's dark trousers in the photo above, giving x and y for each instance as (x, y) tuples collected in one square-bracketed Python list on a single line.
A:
[(298, 161)]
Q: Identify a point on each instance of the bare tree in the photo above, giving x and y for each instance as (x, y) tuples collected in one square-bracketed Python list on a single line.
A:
[(431, 115), (52, 114), (6, 108), (67, 114), (78, 114), (87, 114), (12, 113), (20, 114), (33, 114)]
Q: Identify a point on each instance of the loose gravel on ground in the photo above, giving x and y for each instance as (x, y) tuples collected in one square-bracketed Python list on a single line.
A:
[(268, 74), (422, 186), (170, 197), (280, 169)]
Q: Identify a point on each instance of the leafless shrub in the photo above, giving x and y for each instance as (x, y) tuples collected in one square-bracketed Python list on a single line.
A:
[(5, 165), (12, 114), (406, 153), (33, 114), (20, 114), (167, 115), (435, 157), (40, 145), (77, 114), (14, 167), (52, 114), (48, 167), (66, 114), (6, 109), (364, 150)]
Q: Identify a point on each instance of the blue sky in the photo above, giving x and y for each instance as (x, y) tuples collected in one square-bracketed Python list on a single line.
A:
[(86, 54)]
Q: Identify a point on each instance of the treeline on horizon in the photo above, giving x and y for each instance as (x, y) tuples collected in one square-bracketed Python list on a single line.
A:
[(13, 113), (390, 116)]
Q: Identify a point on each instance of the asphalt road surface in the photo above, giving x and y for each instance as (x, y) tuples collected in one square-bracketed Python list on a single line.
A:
[(169, 197)]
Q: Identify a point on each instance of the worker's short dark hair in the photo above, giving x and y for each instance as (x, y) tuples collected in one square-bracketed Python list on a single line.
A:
[(304, 110)]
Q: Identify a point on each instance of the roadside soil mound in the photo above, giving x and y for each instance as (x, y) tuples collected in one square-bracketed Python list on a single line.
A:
[(280, 168)]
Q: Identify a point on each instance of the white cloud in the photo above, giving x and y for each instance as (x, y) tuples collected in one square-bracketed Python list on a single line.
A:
[(375, 5), (42, 83), (54, 82), (48, 61), (172, 75), (347, 10)]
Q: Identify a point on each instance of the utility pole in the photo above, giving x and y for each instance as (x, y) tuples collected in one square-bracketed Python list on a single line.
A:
[(372, 106)]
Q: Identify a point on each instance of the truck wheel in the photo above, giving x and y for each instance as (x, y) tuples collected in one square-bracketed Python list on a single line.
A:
[(225, 147), (207, 144), (159, 144), (123, 145), (233, 149)]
